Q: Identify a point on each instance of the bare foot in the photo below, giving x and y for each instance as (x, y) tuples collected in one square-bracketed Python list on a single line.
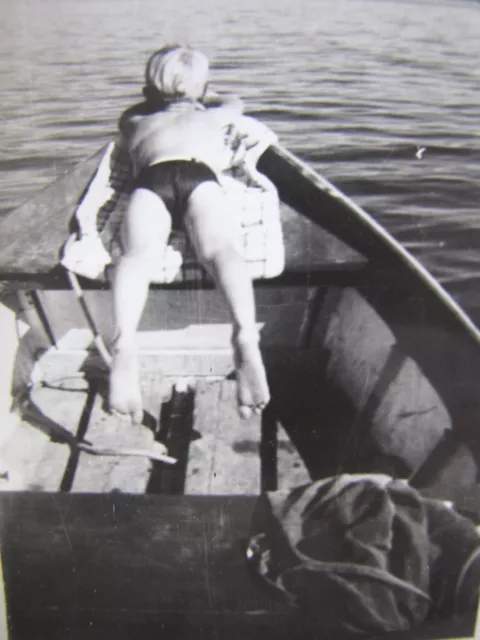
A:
[(125, 397), (252, 387)]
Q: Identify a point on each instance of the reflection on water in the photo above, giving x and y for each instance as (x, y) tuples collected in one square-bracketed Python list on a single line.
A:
[(355, 87)]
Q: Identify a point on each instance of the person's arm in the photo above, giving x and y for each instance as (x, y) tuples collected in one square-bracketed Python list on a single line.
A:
[(128, 116), (224, 108)]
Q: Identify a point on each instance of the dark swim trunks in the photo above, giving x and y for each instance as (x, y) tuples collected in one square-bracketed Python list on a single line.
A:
[(174, 182)]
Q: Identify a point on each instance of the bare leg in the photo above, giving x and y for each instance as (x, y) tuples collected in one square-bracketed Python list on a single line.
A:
[(213, 236), (146, 228)]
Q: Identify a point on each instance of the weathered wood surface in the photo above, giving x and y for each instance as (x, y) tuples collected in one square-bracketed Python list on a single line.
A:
[(66, 408), (32, 236), (461, 628), (345, 399), (224, 452), (51, 413), (228, 455), (103, 474), (3, 606), (349, 393), (396, 405), (189, 321), (195, 418), (123, 564)]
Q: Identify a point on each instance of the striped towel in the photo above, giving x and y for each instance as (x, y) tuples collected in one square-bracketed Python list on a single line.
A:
[(252, 202)]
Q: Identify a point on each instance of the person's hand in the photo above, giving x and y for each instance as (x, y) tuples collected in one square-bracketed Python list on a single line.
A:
[(235, 141)]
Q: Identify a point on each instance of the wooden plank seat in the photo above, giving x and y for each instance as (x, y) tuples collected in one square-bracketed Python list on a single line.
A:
[(32, 237), (79, 566), (122, 566)]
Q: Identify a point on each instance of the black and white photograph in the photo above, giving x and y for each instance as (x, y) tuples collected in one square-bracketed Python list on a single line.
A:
[(240, 320)]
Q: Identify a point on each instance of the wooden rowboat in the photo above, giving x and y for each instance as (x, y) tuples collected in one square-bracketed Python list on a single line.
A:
[(372, 367)]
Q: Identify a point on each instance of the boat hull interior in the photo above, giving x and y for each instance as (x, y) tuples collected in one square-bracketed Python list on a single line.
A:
[(371, 369), (368, 370)]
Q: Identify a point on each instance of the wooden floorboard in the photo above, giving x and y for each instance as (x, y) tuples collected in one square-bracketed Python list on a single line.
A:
[(224, 454), (195, 418), (103, 474), (36, 455), (65, 407), (20, 466), (202, 452)]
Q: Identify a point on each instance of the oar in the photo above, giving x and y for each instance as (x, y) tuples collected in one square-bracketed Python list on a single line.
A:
[(31, 413)]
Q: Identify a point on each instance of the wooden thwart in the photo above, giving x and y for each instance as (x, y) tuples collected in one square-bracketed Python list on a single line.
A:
[(123, 566), (224, 455), (175, 563)]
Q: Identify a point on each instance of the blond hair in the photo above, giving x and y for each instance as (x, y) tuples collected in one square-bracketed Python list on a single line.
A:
[(177, 72)]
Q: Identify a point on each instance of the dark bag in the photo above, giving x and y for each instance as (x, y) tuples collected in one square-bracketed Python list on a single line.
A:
[(353, 552)]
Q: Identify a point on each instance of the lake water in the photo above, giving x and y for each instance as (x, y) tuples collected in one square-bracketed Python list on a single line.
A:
[(354, 87)]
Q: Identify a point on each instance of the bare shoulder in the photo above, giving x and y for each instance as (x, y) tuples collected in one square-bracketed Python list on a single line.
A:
[(224, 108), (133, 115)]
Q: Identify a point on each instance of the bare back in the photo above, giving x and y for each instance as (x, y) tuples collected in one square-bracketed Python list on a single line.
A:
[(182, 131)]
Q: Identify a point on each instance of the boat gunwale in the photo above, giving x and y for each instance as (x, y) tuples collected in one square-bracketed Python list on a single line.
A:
[(380, 233)]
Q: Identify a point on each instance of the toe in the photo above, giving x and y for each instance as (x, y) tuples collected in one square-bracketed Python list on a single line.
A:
[(245, 412), (261, 406), (115, 411), (137, 416)]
